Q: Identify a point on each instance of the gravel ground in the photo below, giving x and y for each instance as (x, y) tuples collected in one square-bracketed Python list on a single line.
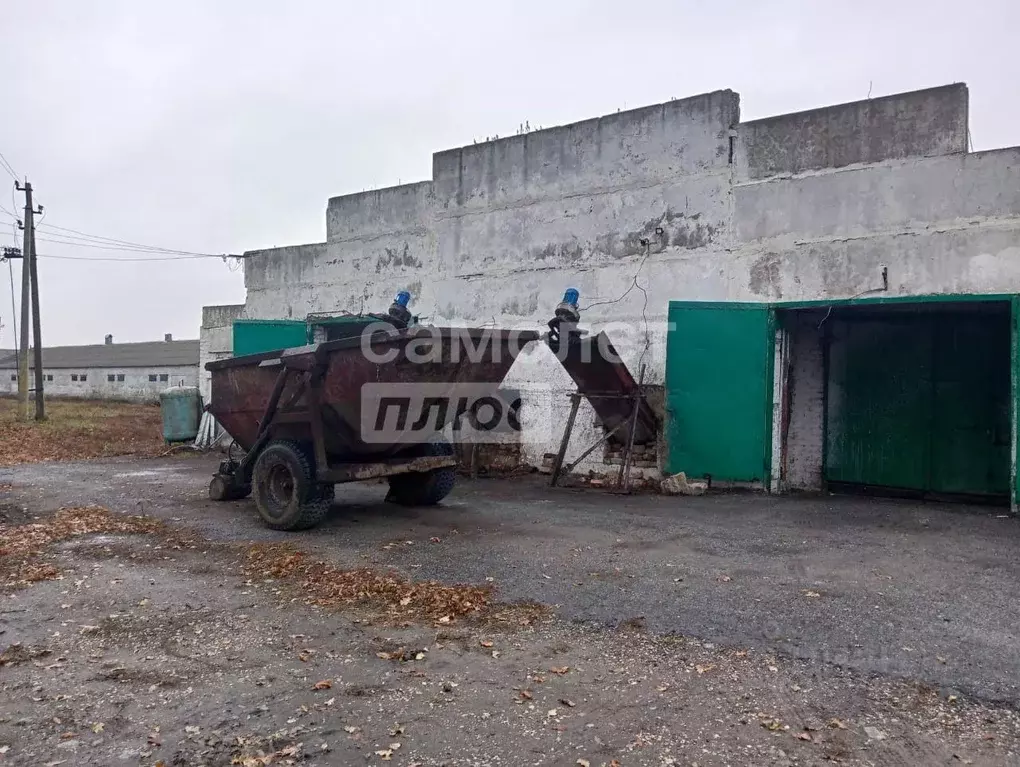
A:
[(716, 630)]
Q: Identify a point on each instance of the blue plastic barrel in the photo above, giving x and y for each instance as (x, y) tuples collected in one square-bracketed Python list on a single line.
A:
[(182, 411)]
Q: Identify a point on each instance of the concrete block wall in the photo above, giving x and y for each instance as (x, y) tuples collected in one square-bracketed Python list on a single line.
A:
[(677, 201), (923, 123), (215, 340)]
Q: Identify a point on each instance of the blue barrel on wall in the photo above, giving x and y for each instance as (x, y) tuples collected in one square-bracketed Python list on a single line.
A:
[(182, 411)]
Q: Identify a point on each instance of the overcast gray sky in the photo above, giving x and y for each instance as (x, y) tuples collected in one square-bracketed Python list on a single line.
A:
[(225, 126)]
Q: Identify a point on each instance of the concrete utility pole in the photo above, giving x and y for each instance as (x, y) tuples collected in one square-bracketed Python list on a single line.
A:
[(30, 264), (26, 282)]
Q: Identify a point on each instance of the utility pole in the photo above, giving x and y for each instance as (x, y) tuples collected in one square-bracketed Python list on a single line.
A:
[(30, 257), (26, 282)]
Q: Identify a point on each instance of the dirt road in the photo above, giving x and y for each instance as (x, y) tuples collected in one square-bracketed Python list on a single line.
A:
[(700, 633)]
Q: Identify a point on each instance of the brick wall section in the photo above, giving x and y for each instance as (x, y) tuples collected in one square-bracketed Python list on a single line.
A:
[(805, 437)]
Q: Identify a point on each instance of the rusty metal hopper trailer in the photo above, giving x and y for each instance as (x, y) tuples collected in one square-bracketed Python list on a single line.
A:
[(299, 413)]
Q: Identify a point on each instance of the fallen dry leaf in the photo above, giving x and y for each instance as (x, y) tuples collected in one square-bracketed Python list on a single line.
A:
[(583, 763), (326, 585), (804, 736), (385, 754), (724, 579), (79, 429), (561, 670), (98, 727), (322, 684), (21, 546), (811, 594), (526, 694), (836, 724), (704, 669), (568, 703), (485, 643)]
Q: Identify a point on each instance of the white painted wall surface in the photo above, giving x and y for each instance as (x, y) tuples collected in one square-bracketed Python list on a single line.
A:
[(136, 385)]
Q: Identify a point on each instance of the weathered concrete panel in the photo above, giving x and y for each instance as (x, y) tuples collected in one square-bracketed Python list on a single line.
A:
[(640, 146), (917, 124), (589, 229), (278, 268), (881, 198), (216, 340), (395, 210)]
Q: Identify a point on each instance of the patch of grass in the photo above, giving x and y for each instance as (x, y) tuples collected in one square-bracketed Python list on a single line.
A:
[(79, 429)]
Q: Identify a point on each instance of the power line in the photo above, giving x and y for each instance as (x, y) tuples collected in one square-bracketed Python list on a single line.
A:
[(94, 238), (98, 246), (8, 167), (137, 260)]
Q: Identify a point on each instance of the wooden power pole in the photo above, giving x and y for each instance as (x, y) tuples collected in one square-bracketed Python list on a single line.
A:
[(29, 266)]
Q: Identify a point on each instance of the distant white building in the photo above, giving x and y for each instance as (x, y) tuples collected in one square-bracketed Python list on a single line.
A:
[(135, 371)]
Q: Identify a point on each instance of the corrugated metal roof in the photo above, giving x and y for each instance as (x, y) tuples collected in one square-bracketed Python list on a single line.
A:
[(147, 354)]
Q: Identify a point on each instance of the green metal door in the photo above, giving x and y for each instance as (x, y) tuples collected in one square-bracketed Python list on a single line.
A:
[(970, 441), (1014, 402), (878, 403), (920, 402), (719, 360)]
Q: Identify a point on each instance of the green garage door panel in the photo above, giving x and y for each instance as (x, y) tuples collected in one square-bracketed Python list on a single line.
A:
[(719, 390), (920, 402), (879, 404), (970, 446)]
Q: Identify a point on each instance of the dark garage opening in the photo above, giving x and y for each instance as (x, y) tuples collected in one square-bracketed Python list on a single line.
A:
[(910, 399)]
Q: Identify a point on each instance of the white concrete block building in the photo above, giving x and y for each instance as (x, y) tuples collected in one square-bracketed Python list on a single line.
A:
[(132, 371), (769, 274)]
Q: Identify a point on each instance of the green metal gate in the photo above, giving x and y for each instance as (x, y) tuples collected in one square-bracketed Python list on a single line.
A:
[(920, 401), (719, 360)]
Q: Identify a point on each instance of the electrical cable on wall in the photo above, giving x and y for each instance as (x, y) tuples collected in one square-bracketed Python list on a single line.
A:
[(634, 284), (885, 287)]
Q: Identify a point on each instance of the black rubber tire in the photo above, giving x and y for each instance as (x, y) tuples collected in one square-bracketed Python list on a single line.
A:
[(283, 487), (427, 488), (223, 489)]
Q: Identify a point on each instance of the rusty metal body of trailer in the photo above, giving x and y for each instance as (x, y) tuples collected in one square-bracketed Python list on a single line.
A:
[(307, 403)]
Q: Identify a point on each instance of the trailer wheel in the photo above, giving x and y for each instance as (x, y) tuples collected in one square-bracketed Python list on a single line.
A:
[(285, 492), (427, 488)]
